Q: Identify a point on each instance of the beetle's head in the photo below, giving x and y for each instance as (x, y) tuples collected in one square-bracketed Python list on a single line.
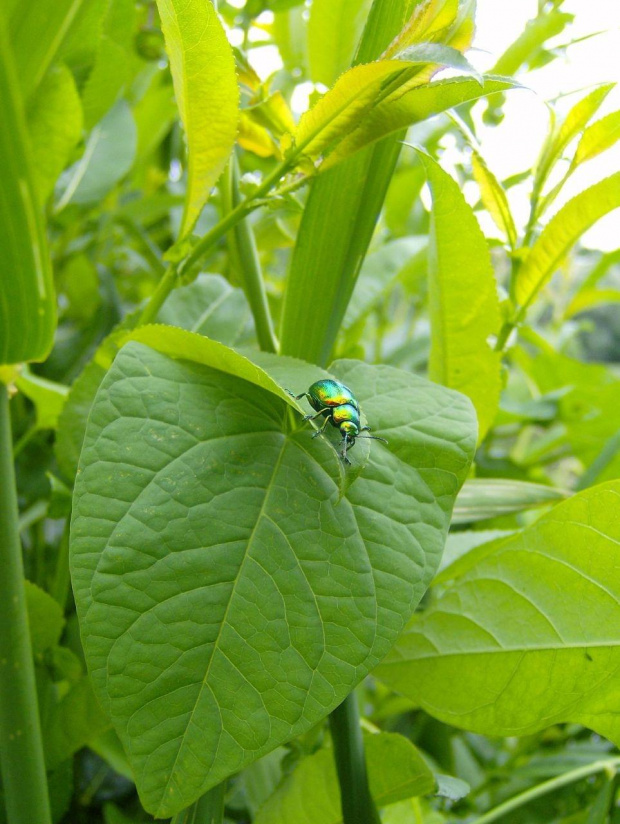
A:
[(349, 431)]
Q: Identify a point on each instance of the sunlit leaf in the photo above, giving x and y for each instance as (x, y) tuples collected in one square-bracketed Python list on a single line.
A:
[(494, 198), (205, 84), (409, 105), (463, 302), (561, 233), (526, 633), (598, 137)]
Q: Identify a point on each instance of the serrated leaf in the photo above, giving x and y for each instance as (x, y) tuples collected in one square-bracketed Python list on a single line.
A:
[(561, 233), (205, 84), (210, 536), (341, 107), (568, 129), (439, 55), (429, 20), (482, 498), (396, 770), (526, 634), (27, 301), (411, 104), (463, 302), (494, 198), (54, 119), (598, 137), (333, 32)]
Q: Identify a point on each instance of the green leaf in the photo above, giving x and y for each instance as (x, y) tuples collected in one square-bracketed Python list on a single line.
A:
[(54, 119), (482, 498), (463, 302), (107, 158), (429, 20), (354, 94), (408, 105), (27, 301), (211, 540), (333, 32), (452, 788), (208, 306), (526, 634), (568, 129), (528, 44), (439, 55), (598, 137), (205, 84), (42, 33), (45, 619), (494, 198), (561, 233), (72, 722), (396, 770), (47, 396)]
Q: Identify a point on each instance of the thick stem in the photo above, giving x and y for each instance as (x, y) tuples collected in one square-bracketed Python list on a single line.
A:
[(356, 800), (21, 748), (246, 254), (610, 765), (209, 809)]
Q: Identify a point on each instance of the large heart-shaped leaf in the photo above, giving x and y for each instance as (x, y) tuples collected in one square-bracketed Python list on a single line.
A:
[(229, 596)]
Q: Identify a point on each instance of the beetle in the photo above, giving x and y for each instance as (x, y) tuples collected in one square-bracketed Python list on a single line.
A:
[(338, 405)]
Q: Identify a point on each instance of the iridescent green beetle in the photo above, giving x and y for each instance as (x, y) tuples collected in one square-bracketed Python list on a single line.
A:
[(338, 405)]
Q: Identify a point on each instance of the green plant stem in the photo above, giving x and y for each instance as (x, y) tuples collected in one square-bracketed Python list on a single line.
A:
[(21, 748), (209, 809), (610, 765), (245, 255), (158, 298), (357, 804)]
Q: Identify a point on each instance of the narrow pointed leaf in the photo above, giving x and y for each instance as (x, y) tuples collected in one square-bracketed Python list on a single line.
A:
[(494, 198), (430, 19), (464, 307), (205, 84), (210, 539), (407, 106), (526, 633), (561, 233), (440, 56), (598, 137), (27, 302)]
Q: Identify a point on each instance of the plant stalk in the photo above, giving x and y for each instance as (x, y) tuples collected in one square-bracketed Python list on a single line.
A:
[(21, 747), (209, 809), (609, 765), (245, 255), (356, 801)]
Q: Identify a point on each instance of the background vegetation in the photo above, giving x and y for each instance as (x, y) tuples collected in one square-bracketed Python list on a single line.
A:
[(180, 248)]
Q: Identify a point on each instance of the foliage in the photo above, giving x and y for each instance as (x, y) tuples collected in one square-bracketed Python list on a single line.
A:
[(203, 585)]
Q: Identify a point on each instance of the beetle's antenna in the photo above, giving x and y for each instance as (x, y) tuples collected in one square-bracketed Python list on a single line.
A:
[(372, 438)]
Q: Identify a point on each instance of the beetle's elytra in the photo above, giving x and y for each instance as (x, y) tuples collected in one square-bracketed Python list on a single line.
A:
[(338, 405)]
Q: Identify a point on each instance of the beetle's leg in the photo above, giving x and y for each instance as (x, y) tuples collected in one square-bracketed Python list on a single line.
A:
[(343, 454), (322, 429), (318, 414), (365, 429)]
